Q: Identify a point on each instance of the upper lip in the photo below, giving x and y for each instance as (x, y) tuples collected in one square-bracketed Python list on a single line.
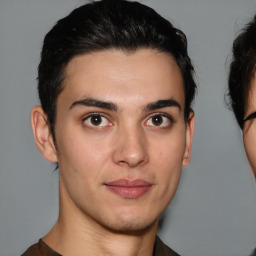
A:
[(128, 183)]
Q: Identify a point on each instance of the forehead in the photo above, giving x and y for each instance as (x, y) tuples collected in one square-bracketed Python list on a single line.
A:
[(123, 77)]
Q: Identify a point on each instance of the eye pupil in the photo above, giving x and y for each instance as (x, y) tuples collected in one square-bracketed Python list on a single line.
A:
[(96, 120), (157, 120)]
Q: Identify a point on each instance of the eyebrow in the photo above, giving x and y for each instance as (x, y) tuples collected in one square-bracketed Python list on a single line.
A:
[(91, 102), (162, 104)]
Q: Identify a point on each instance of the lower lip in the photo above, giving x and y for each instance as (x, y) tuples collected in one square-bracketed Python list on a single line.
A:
[(129, 192)]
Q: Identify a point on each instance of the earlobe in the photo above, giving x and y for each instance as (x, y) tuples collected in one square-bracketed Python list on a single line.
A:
[(42, 134), (189, 139)]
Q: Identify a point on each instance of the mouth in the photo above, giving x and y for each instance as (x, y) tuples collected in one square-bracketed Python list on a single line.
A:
[(129, 189)]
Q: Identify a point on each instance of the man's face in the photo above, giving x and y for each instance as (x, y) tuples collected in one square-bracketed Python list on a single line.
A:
[(121, 137), (249, 130)]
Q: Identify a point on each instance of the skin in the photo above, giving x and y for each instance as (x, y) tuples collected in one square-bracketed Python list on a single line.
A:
[(136, 139), (249, 130)]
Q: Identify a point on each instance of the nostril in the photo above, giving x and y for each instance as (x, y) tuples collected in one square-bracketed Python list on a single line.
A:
[(132, 160)]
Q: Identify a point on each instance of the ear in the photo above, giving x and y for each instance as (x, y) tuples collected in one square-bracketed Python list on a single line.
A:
[(189, 138), (42, 134)]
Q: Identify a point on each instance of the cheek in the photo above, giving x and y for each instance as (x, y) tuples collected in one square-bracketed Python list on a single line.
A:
[(82, 152), (168, 163), (170, 150), (250, 146), (82, 162), (168, 156)]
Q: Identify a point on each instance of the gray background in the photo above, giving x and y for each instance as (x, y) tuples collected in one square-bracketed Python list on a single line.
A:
[(214, 210)]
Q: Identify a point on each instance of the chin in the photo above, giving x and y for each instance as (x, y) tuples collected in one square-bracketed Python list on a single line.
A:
[(130, 224), (130, 228), (253, 168), (254, 172)]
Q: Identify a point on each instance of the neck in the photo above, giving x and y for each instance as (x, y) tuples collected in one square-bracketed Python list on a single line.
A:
[(79, 239)]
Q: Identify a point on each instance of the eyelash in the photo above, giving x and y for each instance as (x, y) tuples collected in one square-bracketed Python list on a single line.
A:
[(95, 114), (162, 115), (251, 116), (102, 116)]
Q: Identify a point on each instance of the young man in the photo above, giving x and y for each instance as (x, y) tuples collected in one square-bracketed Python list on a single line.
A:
[(242, 89), (116, 87)]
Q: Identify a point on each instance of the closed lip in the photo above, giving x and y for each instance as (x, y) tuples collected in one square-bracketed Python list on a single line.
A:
[(129, 189), (129, 183)]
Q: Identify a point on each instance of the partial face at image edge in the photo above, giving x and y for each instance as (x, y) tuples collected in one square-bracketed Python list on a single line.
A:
[(249, 129)]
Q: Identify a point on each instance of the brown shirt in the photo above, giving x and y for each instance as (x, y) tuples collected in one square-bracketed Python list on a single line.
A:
[(42, 249)]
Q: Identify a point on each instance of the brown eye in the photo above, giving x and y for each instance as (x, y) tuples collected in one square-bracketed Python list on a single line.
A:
[(97, 120), (157, 120)]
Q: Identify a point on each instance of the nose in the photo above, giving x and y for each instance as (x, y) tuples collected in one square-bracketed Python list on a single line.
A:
[(131, 148)]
